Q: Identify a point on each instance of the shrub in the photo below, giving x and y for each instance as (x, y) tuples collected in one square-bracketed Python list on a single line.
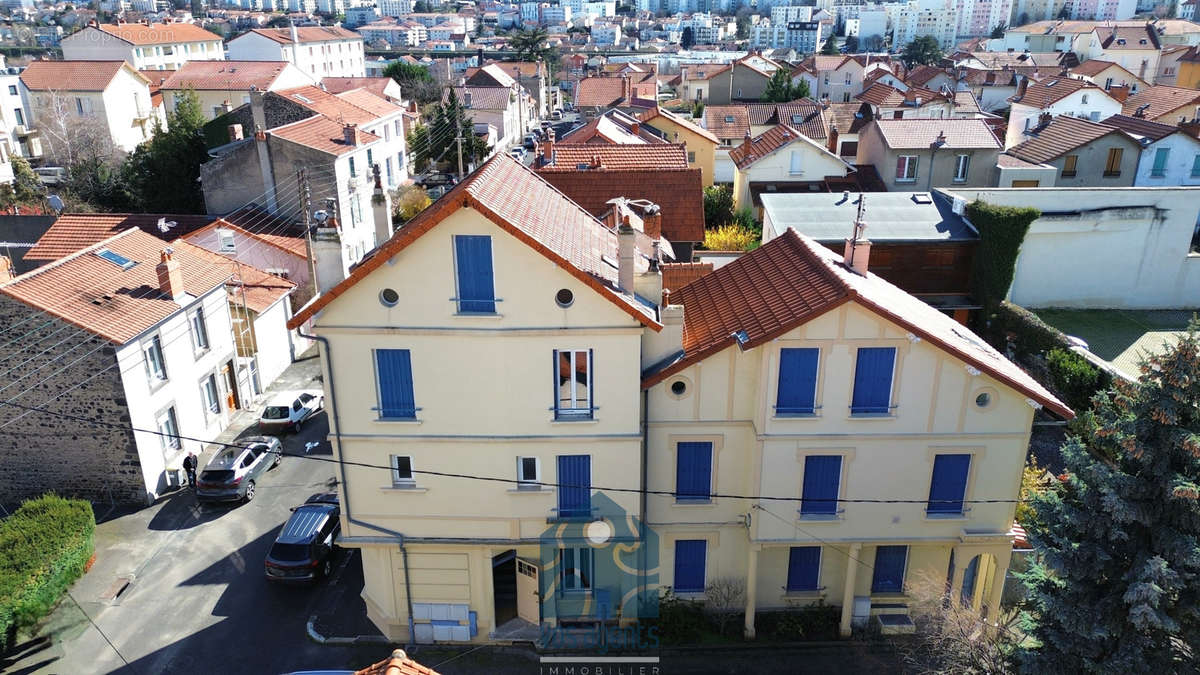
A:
[(729, 238), (718, 205), (47, 544), (723, 597), (817, 621), (680, 621), (1075, 377), (1030, 335), (409, 201)]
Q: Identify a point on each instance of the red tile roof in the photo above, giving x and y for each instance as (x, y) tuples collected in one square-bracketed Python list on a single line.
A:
[(679, 192), (71, 75), (791, 280), (323, 134), (601, 92), (616, 157), (117, 304), (159, 33), (677, 275), (369, 100), (397, 664), (766, 143), (907, 134), (1139, 126), (1049, 91), (74, 231), (246, 282), (880, 94), (921, 74), (375, 85), (532, 210), (226, 75), (1062, 135), (332, 106), (1161, 100), (657, 112), (727, 121), (307, 34)]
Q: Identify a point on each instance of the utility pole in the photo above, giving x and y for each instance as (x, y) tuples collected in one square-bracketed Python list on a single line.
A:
[(306, 209), (520, 105), (459, 140)]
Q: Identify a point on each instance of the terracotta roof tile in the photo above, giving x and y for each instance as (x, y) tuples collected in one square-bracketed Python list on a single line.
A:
[(308, 34), (921, 74), (484, 98), (767, 142), (909, 134), (679, 192), (531, 209), (1063, 134), (601, 92), (259, 289), (1161, 100), (74, 231), (321, 133), (71, 75), (1140, 127), (159, 33), (369, 100), (880, 94), (847, 117), (226, 75), (616, 157), (1093, 67), (727, 121), (1128, 37), (338, 85), (102, 298), (1045, 93), (657, 112), (677, 275), (791, 280), (324, 103), (397, 664)]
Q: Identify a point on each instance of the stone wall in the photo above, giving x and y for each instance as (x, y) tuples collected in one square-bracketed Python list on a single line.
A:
[(41, 452)]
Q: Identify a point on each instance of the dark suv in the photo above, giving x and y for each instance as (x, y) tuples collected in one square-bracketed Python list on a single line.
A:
[(303, 551)]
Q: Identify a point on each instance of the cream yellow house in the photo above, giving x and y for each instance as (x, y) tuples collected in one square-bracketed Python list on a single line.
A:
[(669, 450), (782, 156), (701, 143)]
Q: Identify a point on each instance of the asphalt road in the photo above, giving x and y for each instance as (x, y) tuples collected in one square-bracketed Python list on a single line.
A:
[(197, 601)]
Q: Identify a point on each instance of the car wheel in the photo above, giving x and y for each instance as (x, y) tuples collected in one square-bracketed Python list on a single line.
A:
[(278, 458), (327, 568), (299, 423), (249, 491)]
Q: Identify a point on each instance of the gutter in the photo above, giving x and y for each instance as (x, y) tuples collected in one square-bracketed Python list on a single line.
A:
[(337, 434)]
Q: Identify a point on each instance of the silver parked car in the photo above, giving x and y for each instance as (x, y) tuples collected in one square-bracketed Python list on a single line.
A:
[(232, 473)]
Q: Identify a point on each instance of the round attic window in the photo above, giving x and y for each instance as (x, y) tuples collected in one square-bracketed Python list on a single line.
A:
[(983, 400), (679, 387), (389, 297), (564, 297)]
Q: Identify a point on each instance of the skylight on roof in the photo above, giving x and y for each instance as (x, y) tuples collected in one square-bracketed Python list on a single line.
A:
[(116, 258), (729, 118), (922, 198), (302, 98), (797, 119)]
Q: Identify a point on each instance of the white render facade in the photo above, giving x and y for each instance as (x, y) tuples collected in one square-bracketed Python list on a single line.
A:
[(93, 44), (335, 57), (124, 106), (1091, 104), (1169, 161)]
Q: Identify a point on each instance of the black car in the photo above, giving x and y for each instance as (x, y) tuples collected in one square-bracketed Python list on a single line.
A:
[(303, 551)]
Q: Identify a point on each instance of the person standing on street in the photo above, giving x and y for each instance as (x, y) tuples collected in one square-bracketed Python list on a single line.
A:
[(189, 467)]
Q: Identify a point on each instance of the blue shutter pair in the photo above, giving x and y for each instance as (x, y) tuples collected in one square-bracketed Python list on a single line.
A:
[(473, 261), (693, 472), (689, 565), (574, 486), (873, 380), (804, 568), (889, 569), (948, 486), (822, 478), (797, 382), (393, 370)]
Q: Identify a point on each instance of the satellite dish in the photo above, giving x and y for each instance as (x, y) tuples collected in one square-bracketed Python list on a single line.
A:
[(165, 225), (55, 203)]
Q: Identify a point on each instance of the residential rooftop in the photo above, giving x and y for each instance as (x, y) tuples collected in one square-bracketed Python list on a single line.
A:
[(890, 216)]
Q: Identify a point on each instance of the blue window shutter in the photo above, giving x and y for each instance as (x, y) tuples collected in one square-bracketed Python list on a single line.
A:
[(797, 381), (689, 565), (574, 486), (948, 485), (473, 258), (873, 380), (693, 471), (393, 369), (822, 478), (889, 569), (967, 592), (554, 388), (804, 568)]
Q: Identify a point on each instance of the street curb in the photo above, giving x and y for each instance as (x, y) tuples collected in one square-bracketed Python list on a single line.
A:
[(356, 640)]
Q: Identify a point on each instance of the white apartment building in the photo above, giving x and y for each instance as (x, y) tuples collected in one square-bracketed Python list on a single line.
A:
[(978, 17), (395, 7), (863, 21), (396, 34), (158, 46), (14, 119), (911, 20), (604, 34), (59, 94), (320, 51)]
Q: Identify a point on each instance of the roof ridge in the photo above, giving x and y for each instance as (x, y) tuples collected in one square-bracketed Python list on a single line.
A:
[(70, 256)]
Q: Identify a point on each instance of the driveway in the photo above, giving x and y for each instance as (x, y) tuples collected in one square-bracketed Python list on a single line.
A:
[(196, 600)]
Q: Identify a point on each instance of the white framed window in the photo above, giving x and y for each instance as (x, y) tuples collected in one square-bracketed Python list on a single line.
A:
[(962, 164), (906, 169), (199, 329), (402, 471), (573, 384), (168, 429), (209, 395), (796, 165), (529, 473), (156, 367), (576, 566), (226, 243), (1084, 99)]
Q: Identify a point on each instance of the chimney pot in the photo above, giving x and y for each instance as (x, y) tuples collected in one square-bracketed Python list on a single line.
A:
[(170, 276), (857, 254), (626, 253), (350, 134), (235, 133)]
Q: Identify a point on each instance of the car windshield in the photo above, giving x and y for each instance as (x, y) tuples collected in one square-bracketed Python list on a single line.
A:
[(289, 551), (275, 412), (216, 475)]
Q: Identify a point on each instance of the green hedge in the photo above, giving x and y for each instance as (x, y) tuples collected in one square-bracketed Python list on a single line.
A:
[(1001, 231), (1076, 378), (1030, 335), (44, 547)]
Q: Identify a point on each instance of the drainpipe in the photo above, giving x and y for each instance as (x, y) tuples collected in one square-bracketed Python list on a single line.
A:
[(645, 516), (337, 434)]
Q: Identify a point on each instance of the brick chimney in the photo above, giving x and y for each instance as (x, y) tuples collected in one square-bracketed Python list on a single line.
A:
[(1044, 119), (548, 148), (625, 88), (350, 134), (652, 222), (747, 143), (636, 128), (1191, 127), (170, 276), (857, 254)]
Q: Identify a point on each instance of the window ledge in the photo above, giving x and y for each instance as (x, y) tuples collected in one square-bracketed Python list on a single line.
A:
[(478, 315), (692, 503), (871, 416), (946, 516), (397, 420), (518, 491), (573, 420), (401, 488), (797, 416), (820, 517)]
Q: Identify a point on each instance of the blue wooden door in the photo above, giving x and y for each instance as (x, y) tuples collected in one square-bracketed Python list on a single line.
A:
[(889, 569), (574, 486)]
